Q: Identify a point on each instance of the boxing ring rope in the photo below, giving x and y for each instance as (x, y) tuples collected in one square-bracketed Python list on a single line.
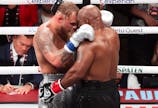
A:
[(119, 29), (18, 2), (121, 69), (5, 70)]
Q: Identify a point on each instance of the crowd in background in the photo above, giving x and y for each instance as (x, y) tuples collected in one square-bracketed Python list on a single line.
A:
[(135, 49)]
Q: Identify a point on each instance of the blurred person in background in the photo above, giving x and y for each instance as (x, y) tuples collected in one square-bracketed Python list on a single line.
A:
[(17, 15), (19, 52), (141, 46), (122, 17), (44, 13)]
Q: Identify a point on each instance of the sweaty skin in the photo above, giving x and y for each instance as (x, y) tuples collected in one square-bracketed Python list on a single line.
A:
[(49, 56), (96, 60), (50, 39)]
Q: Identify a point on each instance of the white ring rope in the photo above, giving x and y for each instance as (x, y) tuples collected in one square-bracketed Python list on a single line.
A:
[(124, 1), (136, 29), (5, 70), (119, 29), (138, 69), (18, 2), (18, 30), (121, 69)]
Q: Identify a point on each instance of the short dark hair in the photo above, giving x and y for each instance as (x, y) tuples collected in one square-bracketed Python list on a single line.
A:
[(28, 36)]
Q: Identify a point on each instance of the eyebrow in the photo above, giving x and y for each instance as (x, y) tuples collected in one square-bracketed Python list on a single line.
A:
[(25, 44)]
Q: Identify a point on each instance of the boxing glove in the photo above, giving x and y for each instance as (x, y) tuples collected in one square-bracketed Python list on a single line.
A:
[(107, 17), (56, 86), (132, 82), (84, 32), (49, 90)]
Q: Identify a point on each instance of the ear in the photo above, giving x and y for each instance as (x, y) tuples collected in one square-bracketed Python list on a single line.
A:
[(60, 18)]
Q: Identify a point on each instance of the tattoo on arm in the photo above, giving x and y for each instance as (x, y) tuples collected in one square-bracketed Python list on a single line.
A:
[(44, 41), (46, 46), (67, 59)]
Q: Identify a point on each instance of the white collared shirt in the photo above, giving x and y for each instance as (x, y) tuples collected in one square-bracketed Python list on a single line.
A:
[(15, 55)]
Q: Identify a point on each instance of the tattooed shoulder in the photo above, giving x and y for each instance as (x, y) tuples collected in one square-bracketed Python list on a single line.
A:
[(44, 39)]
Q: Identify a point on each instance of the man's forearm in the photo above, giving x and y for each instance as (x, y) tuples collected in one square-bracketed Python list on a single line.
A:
[(60, 59)]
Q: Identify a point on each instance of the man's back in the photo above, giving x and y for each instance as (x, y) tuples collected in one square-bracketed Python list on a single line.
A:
[(105, 49), (96, 65), (96, 69)]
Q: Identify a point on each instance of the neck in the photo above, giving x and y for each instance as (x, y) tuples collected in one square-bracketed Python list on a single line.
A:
[(98, 26), (57, 35), (11, 6), (52, 25)]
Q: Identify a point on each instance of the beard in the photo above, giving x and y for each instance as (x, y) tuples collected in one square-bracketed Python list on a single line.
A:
[(64, 34)]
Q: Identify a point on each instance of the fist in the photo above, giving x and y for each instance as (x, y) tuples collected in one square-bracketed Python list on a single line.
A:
[(84, 32), (107, 17)]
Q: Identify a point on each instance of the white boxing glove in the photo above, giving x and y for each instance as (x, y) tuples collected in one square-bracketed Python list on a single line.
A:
[(84, 32), (107, 17), (132, 82)]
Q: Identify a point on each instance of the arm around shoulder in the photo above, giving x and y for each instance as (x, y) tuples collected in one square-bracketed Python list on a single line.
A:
[(80, 68), (76, 72)]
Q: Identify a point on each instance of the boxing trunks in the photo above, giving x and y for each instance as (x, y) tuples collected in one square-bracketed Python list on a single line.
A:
[(47, 99), (95, 94)]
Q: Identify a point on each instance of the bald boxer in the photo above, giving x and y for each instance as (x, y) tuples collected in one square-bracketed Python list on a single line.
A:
[(95, 67), (53, 59)]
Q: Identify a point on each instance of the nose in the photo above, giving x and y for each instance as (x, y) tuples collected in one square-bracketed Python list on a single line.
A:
[(25, 48)]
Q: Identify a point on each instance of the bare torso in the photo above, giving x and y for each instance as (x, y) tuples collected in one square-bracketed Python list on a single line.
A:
[(105, 48), (45, 66), (48, 48), (96, 60)]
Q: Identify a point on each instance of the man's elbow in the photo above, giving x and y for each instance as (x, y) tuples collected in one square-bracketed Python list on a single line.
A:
[(79, 74)]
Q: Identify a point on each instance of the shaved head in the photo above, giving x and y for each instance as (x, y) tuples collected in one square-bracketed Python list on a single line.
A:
[(89, 14)]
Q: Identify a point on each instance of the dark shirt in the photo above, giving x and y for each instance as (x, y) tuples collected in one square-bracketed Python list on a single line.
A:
[(11, 17)]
